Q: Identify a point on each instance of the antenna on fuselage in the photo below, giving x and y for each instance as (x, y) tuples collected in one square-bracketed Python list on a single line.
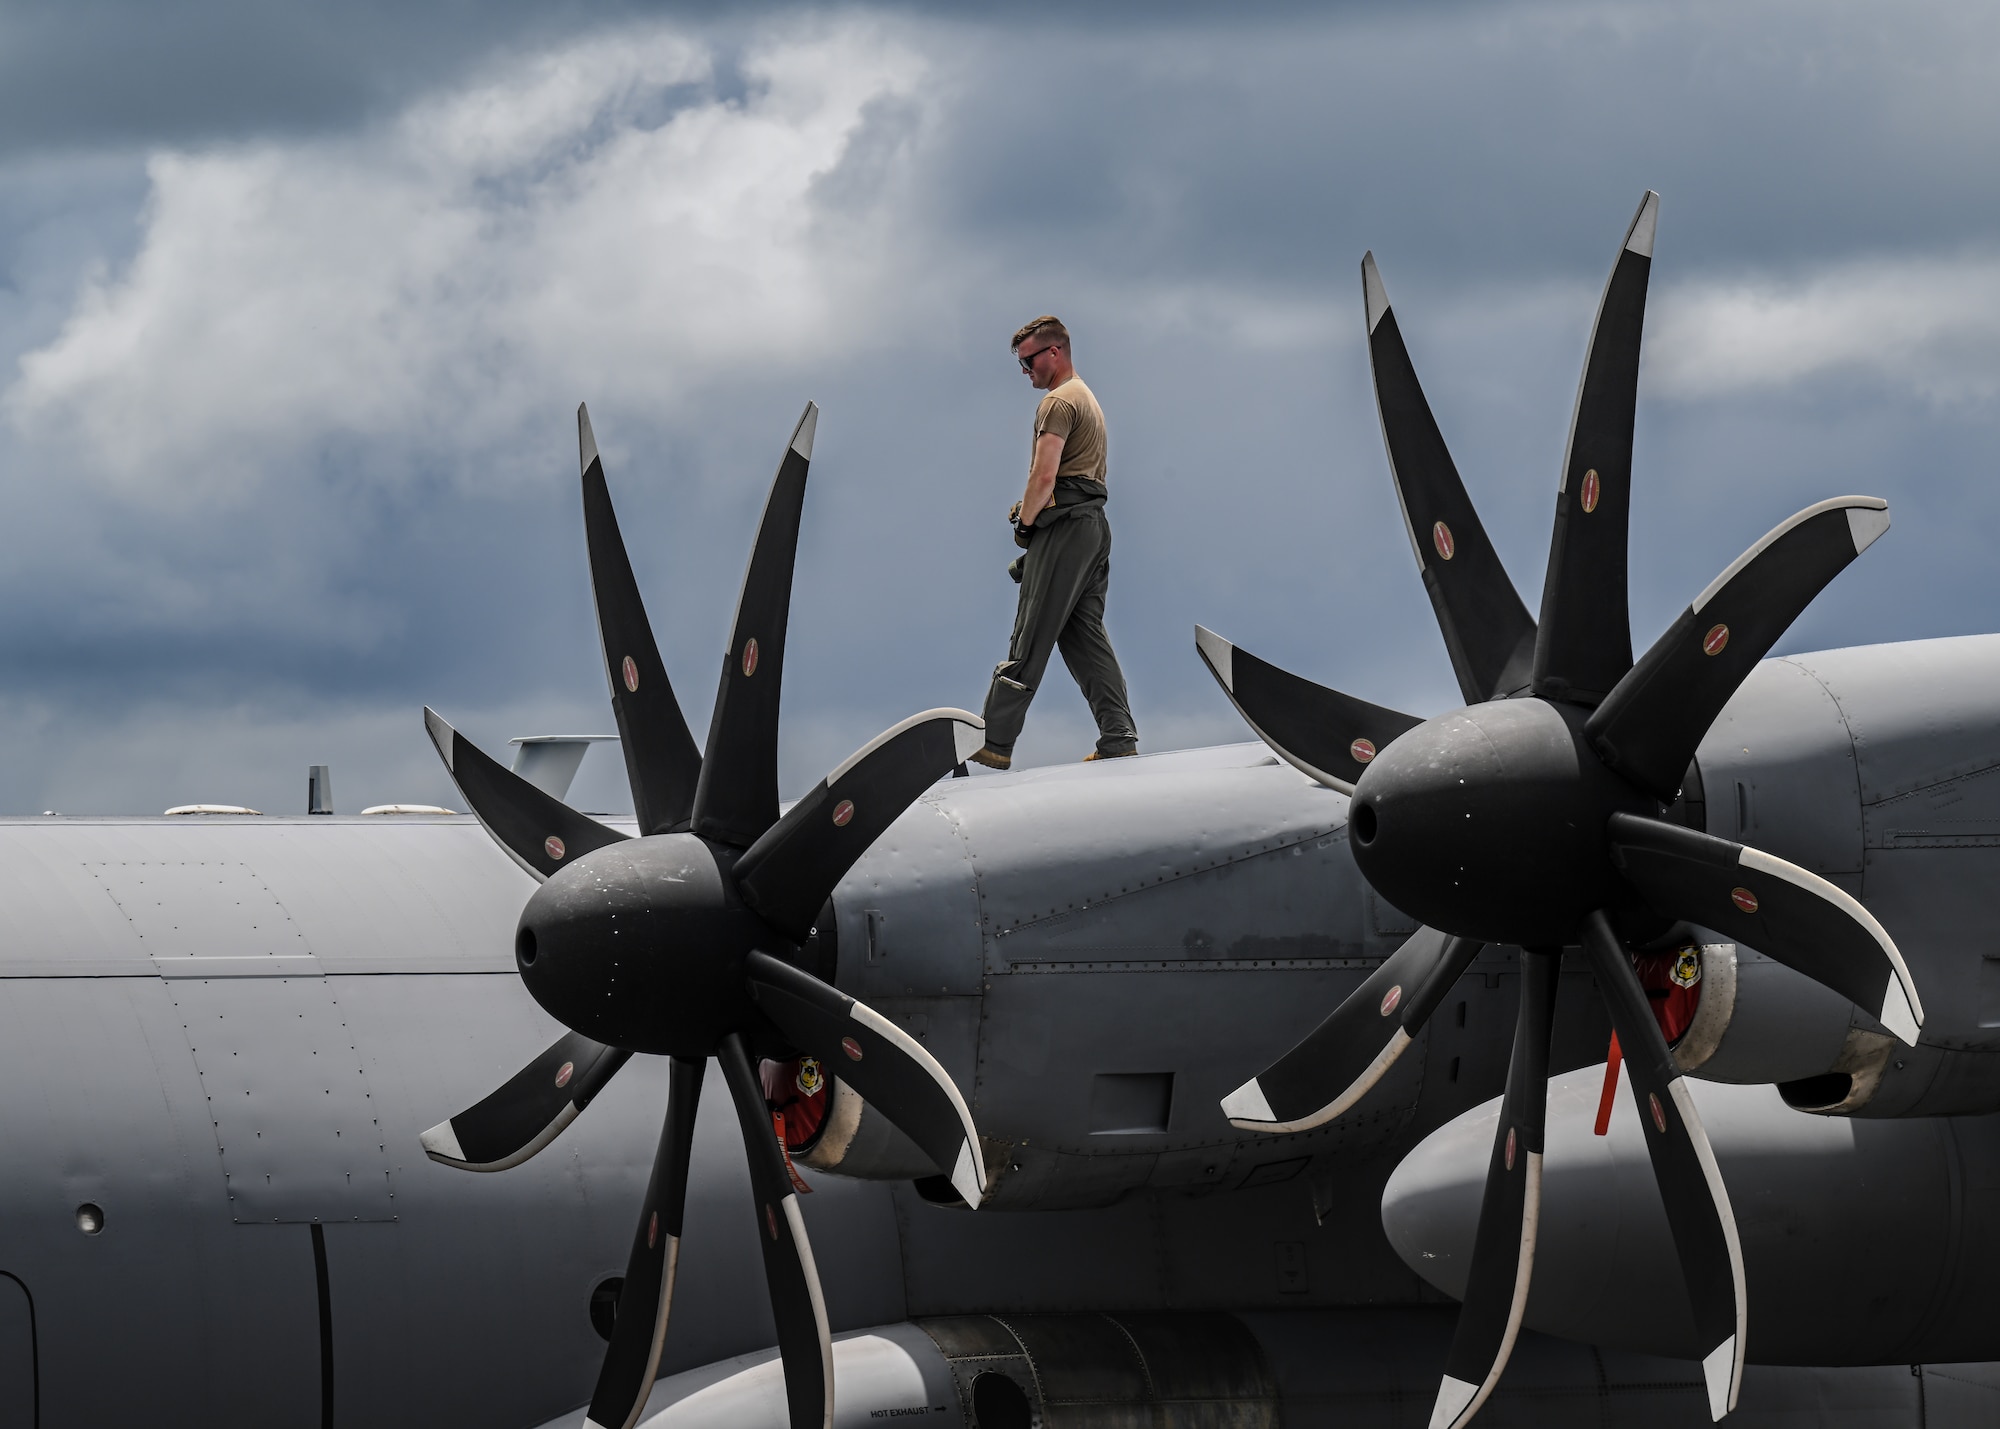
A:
[(319, 790)]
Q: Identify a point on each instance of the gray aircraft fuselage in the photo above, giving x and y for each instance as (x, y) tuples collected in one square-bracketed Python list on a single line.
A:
[(223, 1032)]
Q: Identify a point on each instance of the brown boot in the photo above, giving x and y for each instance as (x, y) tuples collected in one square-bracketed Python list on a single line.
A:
[(1122, 754), (992, 758)]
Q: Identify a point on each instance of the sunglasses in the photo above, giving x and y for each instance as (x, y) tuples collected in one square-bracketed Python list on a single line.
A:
[(1027, 359)]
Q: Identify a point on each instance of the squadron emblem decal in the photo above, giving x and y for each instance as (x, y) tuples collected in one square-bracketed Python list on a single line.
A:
[(1687, 967), (810, 1078)]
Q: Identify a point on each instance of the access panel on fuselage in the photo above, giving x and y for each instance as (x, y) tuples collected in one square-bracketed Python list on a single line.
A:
[(288, 1098), (182, 908), (296, 1129)]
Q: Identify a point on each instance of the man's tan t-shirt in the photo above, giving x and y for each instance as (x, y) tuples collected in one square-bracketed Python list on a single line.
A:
[(1072, 413)]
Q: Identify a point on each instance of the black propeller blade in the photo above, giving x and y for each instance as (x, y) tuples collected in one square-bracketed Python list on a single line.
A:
[(788, 873), (1503, 1248), (1532, 818), (541, 833), (1340, 1060), (737, 798), (1583, 640), (1322, 733), (1487, 631), (804, 1342), (529, 1110), (1648, 727), (699, 939), (639, 1324), (1703, 1226), (890, 1068), (1776, 907), (661, 761)]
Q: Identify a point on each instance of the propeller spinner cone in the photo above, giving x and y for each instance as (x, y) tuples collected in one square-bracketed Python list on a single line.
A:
[(1488, 822)]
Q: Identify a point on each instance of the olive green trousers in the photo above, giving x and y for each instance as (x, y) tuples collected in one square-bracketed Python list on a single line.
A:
[(1063, 581)]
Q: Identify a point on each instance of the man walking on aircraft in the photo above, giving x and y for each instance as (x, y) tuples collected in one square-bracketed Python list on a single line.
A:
[(1060, 520)]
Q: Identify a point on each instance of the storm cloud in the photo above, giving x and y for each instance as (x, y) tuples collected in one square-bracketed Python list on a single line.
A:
[(287, 424)]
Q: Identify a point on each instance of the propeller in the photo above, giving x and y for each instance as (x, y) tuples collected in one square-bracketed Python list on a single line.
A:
[(1542, 815), (700, 938)]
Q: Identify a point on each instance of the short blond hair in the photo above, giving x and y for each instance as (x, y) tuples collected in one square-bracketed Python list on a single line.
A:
[(1045, 324)]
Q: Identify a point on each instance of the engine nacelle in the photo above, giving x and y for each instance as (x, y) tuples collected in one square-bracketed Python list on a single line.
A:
[(1874, 767), (1864, 1241), (1177, 1371), (1202, 1369), (1758, 1022), (857, 1140)]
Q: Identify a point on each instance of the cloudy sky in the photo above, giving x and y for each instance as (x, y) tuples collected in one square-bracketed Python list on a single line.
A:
[(297, 302)]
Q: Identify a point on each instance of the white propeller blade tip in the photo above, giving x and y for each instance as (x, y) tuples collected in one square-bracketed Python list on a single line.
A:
[(586, 440), (967, 1177), (802, 435), (1898, 1016), (1645, 224), (1219, 653), (442, 735), (1718, 1370), (1248, 1103), (1455, 1397), (441, 1144), (1374, 295)]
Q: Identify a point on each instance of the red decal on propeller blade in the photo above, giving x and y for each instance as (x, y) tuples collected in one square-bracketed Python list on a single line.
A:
[(1744, 899), (750, 657), (1441, 538), (842, 812), (631, 670), (1588, 496), (553, 847), (653, 1231), (852, 1048), (1716, 640), (1659, 1112), (1389, 999), (1362, 750), (563, 1076), (1510, 1148)]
